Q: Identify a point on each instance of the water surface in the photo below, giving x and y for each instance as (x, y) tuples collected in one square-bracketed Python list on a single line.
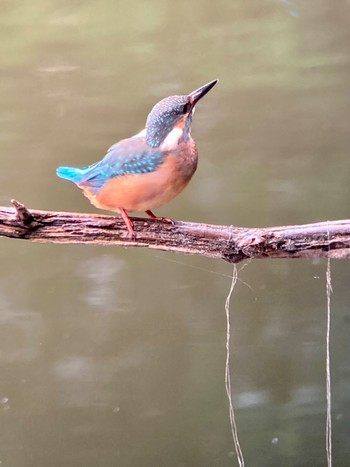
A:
[(116, 357)]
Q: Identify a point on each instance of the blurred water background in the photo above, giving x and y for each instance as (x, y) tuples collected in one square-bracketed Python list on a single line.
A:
[(116, 357)]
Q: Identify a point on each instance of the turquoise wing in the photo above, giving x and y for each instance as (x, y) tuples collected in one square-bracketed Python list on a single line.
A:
[(129, 156)]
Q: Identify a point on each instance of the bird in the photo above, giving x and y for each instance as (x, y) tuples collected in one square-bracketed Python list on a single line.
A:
[(149, 169)]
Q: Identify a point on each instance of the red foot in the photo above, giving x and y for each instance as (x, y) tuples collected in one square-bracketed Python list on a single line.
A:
[(128, 222), (164, 219)]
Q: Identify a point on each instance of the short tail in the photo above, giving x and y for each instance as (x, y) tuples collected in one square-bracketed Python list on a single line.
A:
[(71, 173)]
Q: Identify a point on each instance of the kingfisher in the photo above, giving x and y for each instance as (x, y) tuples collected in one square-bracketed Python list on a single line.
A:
[(149, 169)]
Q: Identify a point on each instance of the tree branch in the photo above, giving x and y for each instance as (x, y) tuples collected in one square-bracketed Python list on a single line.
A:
[(233, 244)]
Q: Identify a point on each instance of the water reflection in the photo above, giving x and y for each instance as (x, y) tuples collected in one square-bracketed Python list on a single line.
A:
[(21, 333), (101, 275), (116, 357)]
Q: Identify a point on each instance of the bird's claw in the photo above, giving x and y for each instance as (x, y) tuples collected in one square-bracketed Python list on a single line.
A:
[(163, 219)]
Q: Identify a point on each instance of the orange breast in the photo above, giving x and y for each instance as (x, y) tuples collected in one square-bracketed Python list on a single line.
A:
[(140, 192)]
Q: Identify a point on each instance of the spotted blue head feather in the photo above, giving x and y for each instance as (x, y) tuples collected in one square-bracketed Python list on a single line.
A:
[(163, 117)]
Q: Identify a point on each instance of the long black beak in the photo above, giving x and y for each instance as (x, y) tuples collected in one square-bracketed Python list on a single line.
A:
[(202, 91)]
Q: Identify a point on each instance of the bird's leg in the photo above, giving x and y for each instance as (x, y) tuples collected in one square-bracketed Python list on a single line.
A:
[(153, 216), (128, 222)]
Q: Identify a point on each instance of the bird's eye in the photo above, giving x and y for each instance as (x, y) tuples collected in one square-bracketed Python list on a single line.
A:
[(186, 108)]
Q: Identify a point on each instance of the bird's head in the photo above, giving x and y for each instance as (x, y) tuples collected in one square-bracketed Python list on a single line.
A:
[(169, 122)]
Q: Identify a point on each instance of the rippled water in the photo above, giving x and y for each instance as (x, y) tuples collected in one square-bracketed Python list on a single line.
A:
[(116, 357)]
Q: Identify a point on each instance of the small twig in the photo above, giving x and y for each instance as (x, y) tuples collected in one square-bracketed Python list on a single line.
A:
[(22, 212), (233, 244)]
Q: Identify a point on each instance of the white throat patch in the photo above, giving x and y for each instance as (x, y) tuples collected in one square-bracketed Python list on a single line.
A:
[(140, 134), (171, 141)]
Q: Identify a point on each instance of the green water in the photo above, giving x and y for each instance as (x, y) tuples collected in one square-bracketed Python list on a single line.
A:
[(115, 357)]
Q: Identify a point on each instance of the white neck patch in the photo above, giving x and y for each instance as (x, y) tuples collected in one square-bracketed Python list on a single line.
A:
[(171, 141), (140, 134)]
